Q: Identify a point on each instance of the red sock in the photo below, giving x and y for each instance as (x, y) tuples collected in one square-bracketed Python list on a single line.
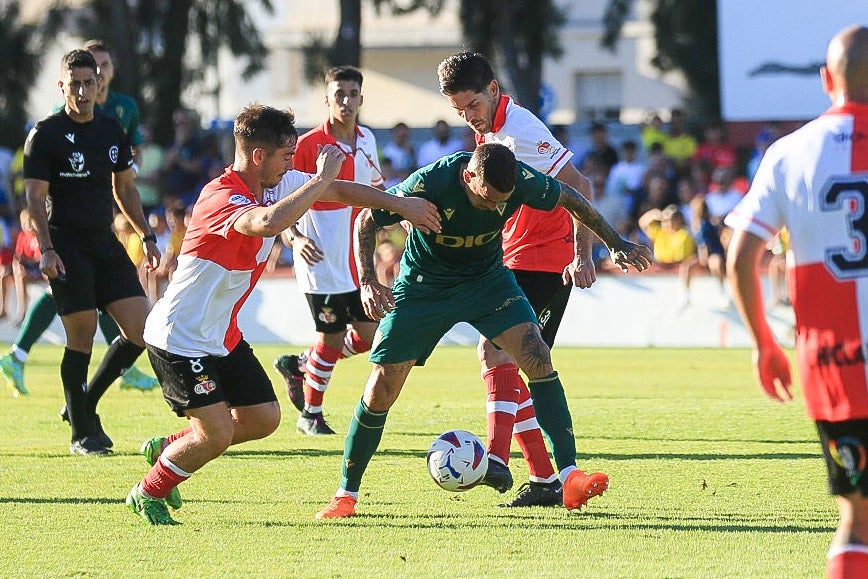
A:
[(180, 434), (163, 477), (354, 344), (318, 372), (501, 382), (848, 561), (530, 439)]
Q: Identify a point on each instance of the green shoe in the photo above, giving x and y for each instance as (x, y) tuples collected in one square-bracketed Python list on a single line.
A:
[(13, 369), (134, 378), (151, 450), (153, 510)]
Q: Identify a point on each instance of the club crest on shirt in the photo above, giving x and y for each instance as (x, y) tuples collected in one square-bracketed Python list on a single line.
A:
[(239, 199), (113, 154)]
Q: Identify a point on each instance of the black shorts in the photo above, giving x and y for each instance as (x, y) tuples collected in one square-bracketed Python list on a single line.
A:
[(332, 312), (844, 448), (237, 379), (98, 271), (548, 296)]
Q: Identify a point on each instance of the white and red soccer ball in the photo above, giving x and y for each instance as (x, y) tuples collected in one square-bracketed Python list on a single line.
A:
[(457, 460)]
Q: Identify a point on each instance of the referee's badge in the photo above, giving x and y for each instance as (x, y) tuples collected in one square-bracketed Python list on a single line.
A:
[(113, 154)]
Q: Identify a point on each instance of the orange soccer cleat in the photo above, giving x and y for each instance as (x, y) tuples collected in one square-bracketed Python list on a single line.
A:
[(579, 487), (338, 508)]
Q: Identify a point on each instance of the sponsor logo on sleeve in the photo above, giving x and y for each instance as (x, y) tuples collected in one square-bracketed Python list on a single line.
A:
[(239, 199)]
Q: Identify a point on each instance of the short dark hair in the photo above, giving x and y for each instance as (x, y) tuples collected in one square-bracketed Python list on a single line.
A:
[(496, 165), (258, 125), (78, 58), (344, 73), (464, 71)]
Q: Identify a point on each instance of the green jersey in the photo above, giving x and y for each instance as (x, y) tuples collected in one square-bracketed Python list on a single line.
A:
[(469, 243)]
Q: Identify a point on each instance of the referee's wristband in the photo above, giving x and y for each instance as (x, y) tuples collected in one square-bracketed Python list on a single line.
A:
[(149, 237)]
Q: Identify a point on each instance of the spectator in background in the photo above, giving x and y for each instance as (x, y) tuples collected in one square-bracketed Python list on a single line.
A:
[(722, 197), (624, 182), (601, 151), (652, 132), (562, 134), (700, 176), (7, 250), (673, 243), (441, 145), (211, 163), (16, 177), (657, 194), (709, 256), (613, 204), (182, 165), (765, 137), (684, 194), (400, 152), (714, 147), (679, 145), (25, 263), (148, 179)]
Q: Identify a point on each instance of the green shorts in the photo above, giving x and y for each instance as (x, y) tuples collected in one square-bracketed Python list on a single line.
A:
[(424, 312)]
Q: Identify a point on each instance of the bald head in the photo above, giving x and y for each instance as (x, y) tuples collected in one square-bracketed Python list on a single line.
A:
[(847, 64)]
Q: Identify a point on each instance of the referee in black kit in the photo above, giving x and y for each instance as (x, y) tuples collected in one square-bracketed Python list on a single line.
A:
[(75, 164)]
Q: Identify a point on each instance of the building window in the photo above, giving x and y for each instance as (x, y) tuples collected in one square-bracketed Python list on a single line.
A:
[(598, 96)]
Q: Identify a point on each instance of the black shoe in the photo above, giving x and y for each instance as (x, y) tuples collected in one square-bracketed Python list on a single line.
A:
[(94, 428), (88, 445), (294, 378), (534, 494), (313, 424), (497, 477)]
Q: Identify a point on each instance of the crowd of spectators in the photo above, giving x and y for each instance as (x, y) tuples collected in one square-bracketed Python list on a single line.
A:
[(666, 189)]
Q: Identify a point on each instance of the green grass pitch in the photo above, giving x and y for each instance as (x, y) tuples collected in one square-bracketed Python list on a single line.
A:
[(708, 479)]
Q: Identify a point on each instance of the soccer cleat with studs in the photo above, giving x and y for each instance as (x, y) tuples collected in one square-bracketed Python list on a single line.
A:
[(338, 508), (152, 449), (95, 428), (151, 509), (536, 494), (13, 369), (580, 487), (290, 368), (135, 379), (497, 476), (88, 446), (313, 424)]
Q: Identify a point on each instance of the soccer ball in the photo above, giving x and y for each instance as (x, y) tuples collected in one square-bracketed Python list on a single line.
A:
[(457, 460)]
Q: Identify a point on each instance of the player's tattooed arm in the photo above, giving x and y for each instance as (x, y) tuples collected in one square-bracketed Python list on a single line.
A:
[(377, 299), (624, 253)]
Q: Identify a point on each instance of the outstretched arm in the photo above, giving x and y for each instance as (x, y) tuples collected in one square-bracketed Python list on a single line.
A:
[(377, 299), (624, 253), (421, 213), (771, 365)]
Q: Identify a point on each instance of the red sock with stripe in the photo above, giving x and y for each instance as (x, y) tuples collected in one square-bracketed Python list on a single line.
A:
[(318, 372), (163, 477), (530, 439), (354, 344), (501, 384), (180, 434)]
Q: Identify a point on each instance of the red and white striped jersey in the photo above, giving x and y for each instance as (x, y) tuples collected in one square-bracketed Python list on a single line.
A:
[(330, 224), (533, 240), (815, 182), (217, 269)]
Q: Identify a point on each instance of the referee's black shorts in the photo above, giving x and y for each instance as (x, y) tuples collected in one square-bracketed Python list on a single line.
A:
[(548, 296), (98, 270)]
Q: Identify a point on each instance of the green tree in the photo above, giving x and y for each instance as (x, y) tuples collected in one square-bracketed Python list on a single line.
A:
[(21, 49), (153, 68), (685, 33)]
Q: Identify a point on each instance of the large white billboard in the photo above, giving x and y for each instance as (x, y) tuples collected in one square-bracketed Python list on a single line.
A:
[(771, 51)]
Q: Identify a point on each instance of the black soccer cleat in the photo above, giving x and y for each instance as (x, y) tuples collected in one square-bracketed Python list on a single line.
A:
[(94, 428), (535, 494), (497, 476), (313, 424), (288, 367), (89, 445)]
